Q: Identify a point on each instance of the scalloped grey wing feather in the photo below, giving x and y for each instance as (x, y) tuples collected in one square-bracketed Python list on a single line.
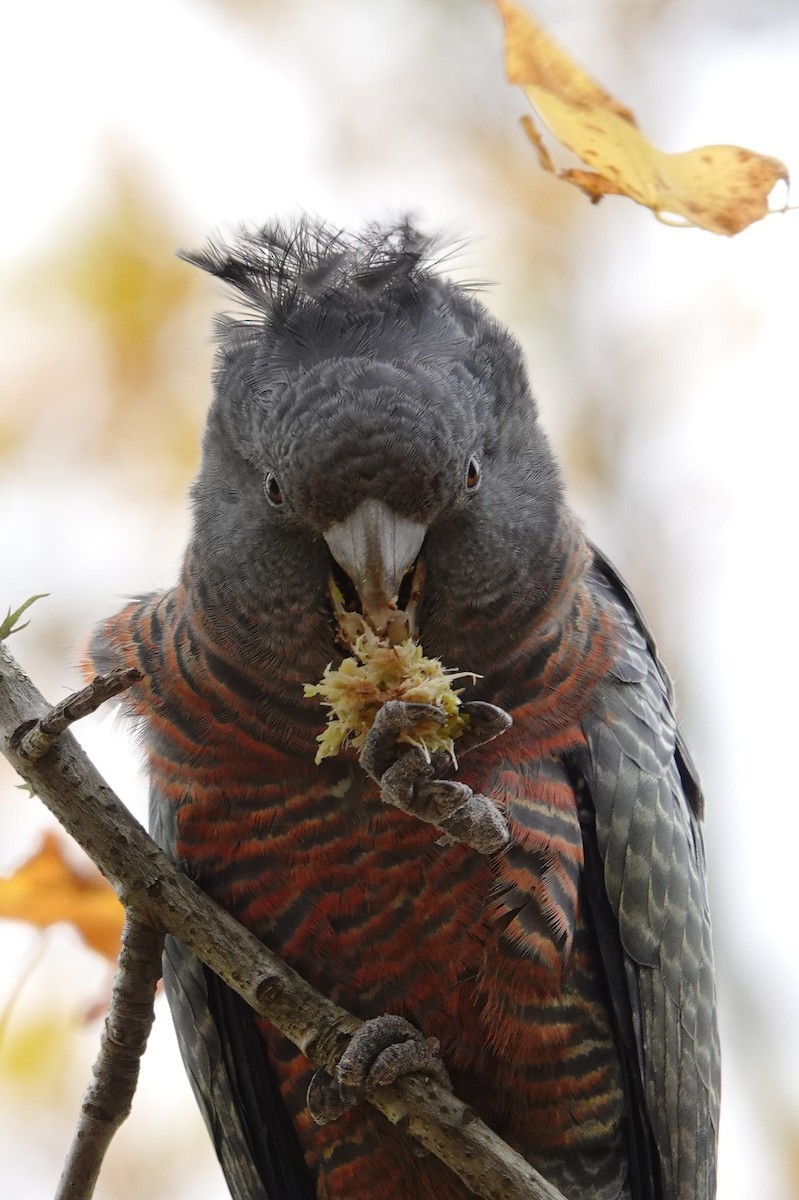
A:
[(201, 1050), (651, 844)]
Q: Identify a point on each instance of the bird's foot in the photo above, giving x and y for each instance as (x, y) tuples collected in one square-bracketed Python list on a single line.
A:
[(380, 1052), (410, 780)]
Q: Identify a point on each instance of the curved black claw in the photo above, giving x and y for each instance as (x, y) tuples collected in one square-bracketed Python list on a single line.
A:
[(461, 814), (395, 717), (381, 1051), (486, 721), (409, 780)]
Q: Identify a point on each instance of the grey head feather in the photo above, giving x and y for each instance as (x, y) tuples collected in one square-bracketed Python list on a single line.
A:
[(277, 268), (358, 371)]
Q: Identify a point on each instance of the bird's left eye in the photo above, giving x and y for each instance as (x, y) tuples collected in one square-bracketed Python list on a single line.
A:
[(274, 492), (472, 474)]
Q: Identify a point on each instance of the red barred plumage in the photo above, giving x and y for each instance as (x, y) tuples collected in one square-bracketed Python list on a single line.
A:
[(361, 900)]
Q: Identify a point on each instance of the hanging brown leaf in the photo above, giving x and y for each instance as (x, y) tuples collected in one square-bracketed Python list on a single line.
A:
[(719, 188), (47, 889)]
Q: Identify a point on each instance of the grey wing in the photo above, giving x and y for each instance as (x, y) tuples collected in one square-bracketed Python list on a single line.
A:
[(186, 984), (646, 805), (225, 1059)]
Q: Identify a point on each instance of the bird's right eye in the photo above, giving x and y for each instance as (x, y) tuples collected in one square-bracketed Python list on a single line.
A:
[(274, 492), (473, 474)]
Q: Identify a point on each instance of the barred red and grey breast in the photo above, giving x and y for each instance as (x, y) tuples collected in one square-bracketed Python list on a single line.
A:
[(496, 960)]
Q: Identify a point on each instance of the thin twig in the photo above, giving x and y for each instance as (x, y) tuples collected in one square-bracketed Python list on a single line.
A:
[(108, 1098), (146, 881), (44, 732)]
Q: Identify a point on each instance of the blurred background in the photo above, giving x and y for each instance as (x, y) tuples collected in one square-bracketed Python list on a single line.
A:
[(664, 361)]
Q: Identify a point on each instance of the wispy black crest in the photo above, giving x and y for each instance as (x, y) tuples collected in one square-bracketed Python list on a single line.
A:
[(279, 268)]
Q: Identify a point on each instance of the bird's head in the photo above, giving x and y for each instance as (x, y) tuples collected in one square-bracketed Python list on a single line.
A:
[(371, 424)]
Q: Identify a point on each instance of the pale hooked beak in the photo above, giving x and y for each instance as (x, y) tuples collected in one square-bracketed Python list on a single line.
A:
[(376, 547)]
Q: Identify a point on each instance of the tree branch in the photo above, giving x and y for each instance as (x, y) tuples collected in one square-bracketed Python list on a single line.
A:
[(48, 729), (108, 1099), (151, 886)]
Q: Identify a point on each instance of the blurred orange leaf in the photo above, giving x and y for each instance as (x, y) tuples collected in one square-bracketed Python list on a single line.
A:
[(114, 373), (120, 268), (47, 889), (719, 188)]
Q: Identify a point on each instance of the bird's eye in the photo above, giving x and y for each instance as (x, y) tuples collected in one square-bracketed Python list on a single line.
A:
[(274, 492), (472, 475)]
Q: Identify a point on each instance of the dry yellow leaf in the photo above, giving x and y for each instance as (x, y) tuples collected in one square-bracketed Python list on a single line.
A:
[(719, 188), (47, 889)]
